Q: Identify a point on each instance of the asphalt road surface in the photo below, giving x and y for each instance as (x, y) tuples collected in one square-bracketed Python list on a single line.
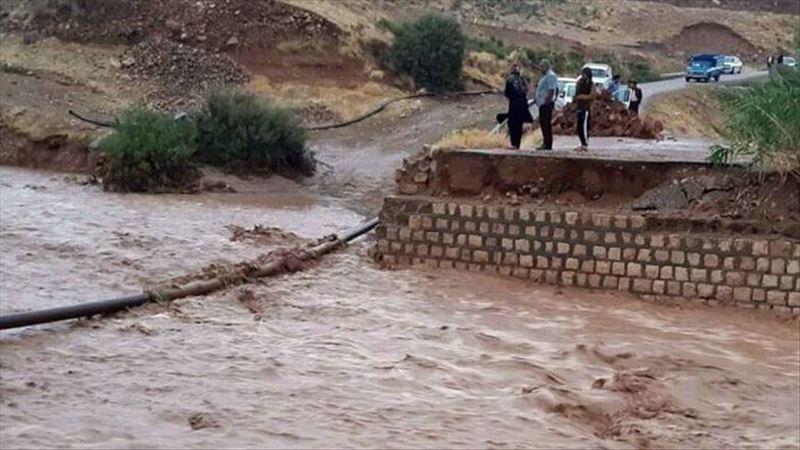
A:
[(655, 88)]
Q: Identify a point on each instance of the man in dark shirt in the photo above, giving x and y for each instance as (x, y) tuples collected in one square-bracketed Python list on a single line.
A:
[(636, 96), (583, 99), (518, 113)]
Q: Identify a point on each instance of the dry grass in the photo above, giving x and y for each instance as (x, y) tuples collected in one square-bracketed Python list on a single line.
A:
[(94, 66), (356, 17), (473, 138), (347, 103), (694, 112), (62, 76), (485, 69)]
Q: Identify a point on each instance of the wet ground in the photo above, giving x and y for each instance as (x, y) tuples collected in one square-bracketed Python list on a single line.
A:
[(683, 150), (345, 354)]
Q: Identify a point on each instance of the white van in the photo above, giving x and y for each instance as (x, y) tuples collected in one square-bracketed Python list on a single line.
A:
[(566, 91), (601, 75)]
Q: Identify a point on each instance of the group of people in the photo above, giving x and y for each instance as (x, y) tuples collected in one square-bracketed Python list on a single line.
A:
[(516, 90), (773, 60), (519, 110), (633, 86)]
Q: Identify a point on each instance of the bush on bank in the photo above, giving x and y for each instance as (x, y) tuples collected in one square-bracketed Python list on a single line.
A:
[(240, 130), (431, 51), (149, 152), (764, 121)]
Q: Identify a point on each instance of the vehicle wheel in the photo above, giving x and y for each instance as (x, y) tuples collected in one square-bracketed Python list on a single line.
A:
[(688, 79)]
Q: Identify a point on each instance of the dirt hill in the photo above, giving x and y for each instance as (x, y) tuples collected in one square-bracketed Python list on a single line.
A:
[(315, 55), (777, 6)]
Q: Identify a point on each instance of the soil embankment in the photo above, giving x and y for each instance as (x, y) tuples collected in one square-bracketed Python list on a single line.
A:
[(777, 6), (709, 37), (52, 152), (687, 195), (693, 112)]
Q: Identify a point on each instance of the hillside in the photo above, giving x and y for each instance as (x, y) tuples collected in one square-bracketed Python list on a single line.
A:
[(318, 56)]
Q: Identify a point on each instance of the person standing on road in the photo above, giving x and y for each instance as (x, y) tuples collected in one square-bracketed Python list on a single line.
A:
[(516, 92), (583, 99), (545, 100), (636, 97)]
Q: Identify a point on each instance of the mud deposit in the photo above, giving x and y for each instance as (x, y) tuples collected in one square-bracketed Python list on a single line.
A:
[(344, 354)]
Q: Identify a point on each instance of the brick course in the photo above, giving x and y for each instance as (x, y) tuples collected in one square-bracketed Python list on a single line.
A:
[(595, 250)]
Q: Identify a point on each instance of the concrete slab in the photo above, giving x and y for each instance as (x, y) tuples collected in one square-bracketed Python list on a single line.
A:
[(688, 151)]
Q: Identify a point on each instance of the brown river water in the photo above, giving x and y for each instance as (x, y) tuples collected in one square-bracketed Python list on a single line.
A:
[(346, 354)]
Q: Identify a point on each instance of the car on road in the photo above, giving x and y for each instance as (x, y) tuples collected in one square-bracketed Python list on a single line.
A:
[(601, 75), (705, 67), (732, 65), (566, 91)]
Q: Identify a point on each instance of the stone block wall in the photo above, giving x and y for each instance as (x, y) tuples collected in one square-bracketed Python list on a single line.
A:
[(624, 252)]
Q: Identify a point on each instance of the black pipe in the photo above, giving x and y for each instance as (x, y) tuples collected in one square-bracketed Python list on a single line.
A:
[(72, 312), (99, 123), (202, 287), (383, 106)]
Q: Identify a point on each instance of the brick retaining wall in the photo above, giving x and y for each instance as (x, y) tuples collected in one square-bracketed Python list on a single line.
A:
[(595, 250)]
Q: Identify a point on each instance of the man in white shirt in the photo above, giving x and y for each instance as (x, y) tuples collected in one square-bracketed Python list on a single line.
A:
[(545, 100)]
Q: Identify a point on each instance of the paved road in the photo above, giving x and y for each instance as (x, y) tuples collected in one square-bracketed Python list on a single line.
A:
[(655, 88)]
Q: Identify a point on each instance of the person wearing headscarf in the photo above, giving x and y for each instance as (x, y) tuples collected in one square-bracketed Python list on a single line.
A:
[(516, 92)]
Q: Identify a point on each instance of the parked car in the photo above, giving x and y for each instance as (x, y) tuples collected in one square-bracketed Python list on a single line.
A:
[(566, 92), (623, 95), (601, 75), (705, 67), (732, 64), (790, 62)]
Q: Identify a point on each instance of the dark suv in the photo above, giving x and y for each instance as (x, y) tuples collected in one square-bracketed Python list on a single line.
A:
[(705, 67)]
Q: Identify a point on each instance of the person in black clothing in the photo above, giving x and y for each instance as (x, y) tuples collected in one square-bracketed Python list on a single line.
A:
[(518, 113), (583, 99), (636, 96)]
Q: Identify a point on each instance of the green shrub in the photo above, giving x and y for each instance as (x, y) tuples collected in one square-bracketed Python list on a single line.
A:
[(797, 39), (764, 120), (430, 50), (565, 64), (495, 9), (491, 45), (149, 152), (239, 130), (638, 70)]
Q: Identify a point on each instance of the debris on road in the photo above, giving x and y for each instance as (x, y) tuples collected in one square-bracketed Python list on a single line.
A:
[(608, 118)]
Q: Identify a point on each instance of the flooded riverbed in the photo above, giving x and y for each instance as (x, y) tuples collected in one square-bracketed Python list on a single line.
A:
[(346, 354)]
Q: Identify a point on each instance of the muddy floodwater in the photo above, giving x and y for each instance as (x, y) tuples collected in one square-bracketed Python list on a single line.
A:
[(345, 354)]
